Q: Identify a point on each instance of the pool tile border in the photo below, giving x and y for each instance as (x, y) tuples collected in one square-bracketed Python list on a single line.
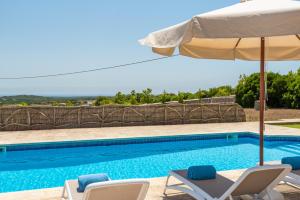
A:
[(140, 140)]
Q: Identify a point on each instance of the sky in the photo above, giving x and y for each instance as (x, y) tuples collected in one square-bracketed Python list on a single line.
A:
[(57, 36)]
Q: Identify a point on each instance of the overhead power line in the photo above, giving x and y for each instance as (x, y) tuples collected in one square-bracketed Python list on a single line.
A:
[(88, 70)]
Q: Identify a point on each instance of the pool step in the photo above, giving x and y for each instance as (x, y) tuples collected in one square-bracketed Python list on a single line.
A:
[(232, 137), (2, 149)]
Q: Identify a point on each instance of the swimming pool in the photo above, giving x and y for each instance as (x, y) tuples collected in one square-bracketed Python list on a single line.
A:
[(35, 166)]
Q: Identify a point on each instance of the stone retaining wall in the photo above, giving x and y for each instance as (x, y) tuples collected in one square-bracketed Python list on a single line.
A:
[(37, 118)]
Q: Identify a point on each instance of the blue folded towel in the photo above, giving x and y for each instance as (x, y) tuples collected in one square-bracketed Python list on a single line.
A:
[(293, 161), (204, 172), (85, 180)]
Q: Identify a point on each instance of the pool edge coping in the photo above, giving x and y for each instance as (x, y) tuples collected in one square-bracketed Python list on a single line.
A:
[(139, 140)]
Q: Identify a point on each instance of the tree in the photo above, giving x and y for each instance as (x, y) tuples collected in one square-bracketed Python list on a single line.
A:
[(120, 98), (276, 88), (225, 90), (180, 97), (54, 103), (292, 96), (139, 97), (248, 99), (282, 90), (70, 103), (165, 97), (102, 101), (200, 94), (247, 90), (133, 98), (147, 96)]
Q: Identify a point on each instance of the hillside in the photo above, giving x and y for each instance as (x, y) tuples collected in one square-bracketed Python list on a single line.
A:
[(32, 99)]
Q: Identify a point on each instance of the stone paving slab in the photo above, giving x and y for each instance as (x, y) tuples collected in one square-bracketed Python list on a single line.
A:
[(157, 184), (155, 191), (53, 135)]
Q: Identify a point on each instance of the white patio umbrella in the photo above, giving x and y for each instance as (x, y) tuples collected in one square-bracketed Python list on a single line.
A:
[(253, 30)]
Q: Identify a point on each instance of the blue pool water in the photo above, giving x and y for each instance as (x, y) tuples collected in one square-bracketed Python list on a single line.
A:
[(44, 168)]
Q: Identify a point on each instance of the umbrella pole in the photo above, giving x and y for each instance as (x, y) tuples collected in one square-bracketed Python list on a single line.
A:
[(262, 102)]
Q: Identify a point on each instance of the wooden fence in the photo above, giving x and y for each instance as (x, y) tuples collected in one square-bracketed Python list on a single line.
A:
[(37, 118)]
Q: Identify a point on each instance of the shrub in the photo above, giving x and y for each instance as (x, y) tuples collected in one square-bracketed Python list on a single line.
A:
[(23, 104), (70, 103), (103, 101)]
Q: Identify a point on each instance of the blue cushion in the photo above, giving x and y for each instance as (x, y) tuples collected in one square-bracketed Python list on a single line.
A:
[(293, 161), (85, 180), (204, 172)]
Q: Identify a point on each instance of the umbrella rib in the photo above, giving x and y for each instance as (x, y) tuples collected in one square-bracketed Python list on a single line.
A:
[(298, 36), (237, 44)]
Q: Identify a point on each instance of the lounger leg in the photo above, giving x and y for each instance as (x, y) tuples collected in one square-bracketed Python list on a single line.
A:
[(63, 195), (66, 192), (165, 190)]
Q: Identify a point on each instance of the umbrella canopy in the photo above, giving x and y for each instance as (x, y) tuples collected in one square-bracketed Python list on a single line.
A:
[(251, 30), (234, 32)]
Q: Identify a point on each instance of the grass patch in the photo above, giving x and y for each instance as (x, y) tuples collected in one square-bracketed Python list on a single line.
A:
[(291, 125)]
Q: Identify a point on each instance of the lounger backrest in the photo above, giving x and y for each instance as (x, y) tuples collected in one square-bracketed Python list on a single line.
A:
[(117, 190), (258, 179)]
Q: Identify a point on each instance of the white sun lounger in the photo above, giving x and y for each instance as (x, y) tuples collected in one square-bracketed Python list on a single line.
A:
[(292, 179), (135, 189), (257, 181)]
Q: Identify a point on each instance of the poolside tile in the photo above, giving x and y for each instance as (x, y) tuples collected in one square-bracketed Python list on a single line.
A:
[(139, 131), (143, 131), (155, 191)]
